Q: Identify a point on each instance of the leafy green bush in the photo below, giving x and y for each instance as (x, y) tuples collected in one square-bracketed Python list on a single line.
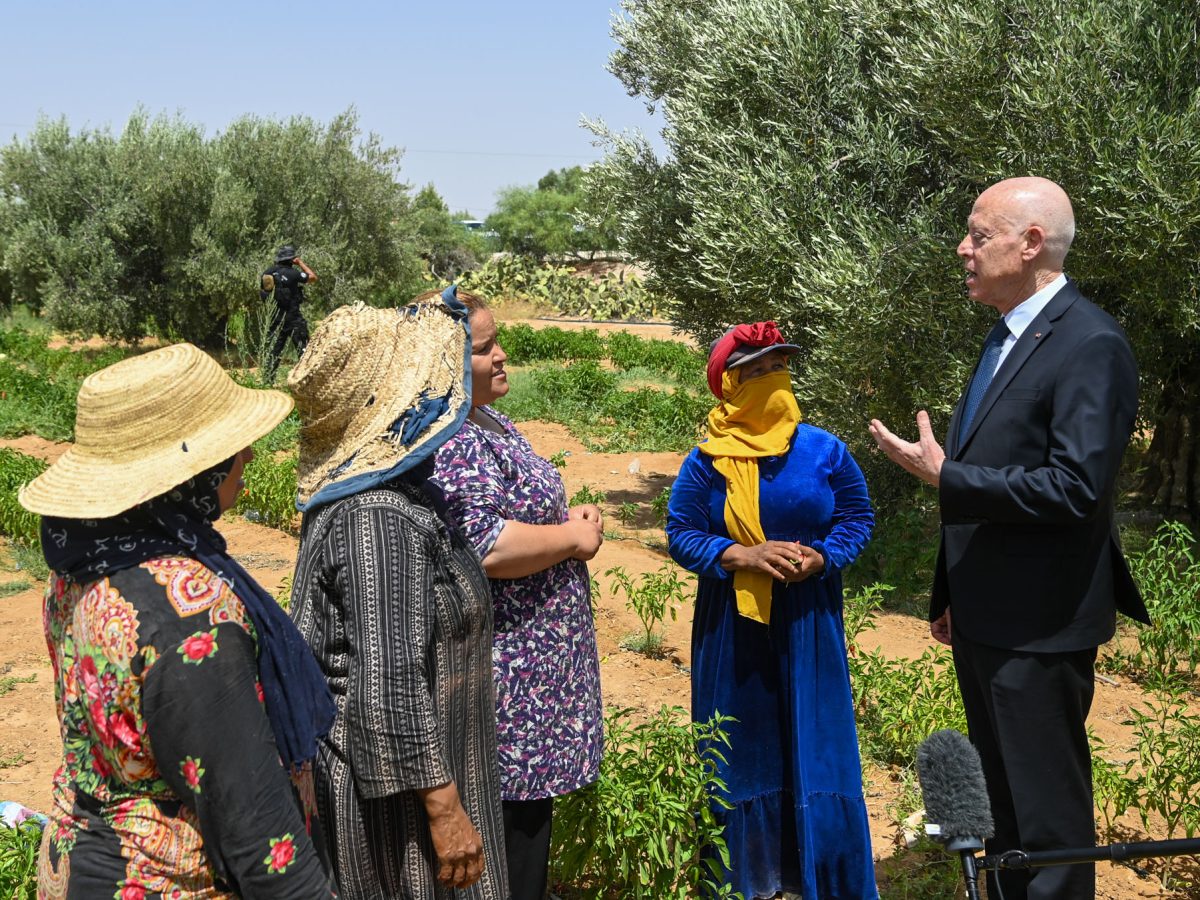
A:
[(285, 436), (565, 394), (672, 358), (525, 344), (660, 504), (1163, 778), (644, 830), (898, 702), (1168, 741), (1113, 790), (1168, 575), (903, 552), (157, 227), (269, 497), (17, 470), (586, 495), (38, 386), (652, 419), (33, 404), (653, 597), (18, 861)]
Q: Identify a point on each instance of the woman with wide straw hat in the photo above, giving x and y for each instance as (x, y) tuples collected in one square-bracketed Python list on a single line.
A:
[(396, 608), (189, 705), (768, 510)]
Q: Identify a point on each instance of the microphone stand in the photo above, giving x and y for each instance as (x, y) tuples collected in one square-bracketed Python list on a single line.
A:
[(966, 847), (1020, 859)]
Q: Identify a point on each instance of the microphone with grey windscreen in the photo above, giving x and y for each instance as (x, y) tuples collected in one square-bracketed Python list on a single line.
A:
[(957, 811), (958, 814)]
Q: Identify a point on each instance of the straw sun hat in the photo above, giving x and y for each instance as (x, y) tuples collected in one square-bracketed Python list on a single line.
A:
[(378, 391), (146, 424)]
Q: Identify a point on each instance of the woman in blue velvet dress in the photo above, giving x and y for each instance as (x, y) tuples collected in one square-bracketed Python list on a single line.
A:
[(768, 511)]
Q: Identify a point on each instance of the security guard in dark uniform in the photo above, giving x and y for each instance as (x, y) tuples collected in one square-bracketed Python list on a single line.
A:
[(285, 280)]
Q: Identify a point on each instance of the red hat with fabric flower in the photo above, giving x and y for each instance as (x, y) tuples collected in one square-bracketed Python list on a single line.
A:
[(740, 345)]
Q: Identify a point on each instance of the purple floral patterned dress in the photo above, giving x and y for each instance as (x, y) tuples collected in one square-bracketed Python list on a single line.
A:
[(548, 718)]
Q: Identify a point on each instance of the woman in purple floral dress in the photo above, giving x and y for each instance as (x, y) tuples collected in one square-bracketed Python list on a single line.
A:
[(510, 504)]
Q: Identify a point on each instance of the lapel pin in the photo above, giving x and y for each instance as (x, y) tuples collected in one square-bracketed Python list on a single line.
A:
[(1036, 335)]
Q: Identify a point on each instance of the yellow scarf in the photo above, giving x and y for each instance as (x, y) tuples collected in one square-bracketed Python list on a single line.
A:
[(755, 419)]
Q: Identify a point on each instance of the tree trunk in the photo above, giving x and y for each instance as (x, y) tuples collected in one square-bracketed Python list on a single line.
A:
[(1171, 479)]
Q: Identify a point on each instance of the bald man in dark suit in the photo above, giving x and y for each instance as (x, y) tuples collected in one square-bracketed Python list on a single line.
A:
[(1030, 574)]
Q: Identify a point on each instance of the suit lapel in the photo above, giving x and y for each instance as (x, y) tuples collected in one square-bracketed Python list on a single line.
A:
[(1031, 340)]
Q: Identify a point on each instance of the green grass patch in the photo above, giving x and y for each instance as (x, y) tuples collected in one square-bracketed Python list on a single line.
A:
[(9, 588), (30, 561), (9, 682), (38, 385), (16, 470), (670, 358), (597, 406)]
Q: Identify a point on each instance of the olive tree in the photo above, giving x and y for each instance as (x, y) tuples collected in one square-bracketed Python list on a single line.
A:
[(823, 157), (161, 230)]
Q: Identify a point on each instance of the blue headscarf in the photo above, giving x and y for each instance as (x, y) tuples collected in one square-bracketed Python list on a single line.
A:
[(179, 523)]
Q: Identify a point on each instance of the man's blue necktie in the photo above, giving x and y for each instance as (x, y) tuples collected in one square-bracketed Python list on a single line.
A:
[(984, 373)]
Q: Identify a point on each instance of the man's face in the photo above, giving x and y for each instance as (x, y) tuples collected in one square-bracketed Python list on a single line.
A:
[(992, 253)]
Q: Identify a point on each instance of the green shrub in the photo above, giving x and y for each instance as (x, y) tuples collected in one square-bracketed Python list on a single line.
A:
[(585, 495), (18, 861), (1113, 790), (1168, 742), (903, 552), (525, 344), (269, 497), (33, 404), (1162, 779), (566, 394), (652, 597), (653, 420), (645, 830), (1168, 574), (17, 470), (591, 402), (38, 386), (284, 437), (660, 504), (672, 358), (898, 702)]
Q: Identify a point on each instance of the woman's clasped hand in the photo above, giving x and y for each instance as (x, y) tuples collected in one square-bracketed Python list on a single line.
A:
[(787, 561)]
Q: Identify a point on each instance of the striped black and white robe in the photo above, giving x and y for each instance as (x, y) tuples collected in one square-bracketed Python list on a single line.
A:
[(396, 608)]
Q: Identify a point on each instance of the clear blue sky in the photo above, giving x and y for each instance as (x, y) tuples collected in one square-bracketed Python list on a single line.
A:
[(481, 95)]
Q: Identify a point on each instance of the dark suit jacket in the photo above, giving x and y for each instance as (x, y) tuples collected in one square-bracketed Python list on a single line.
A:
[(1029, 557)]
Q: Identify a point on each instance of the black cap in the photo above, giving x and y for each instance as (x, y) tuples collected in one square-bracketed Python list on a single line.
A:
[(744, 353), (285, 253)]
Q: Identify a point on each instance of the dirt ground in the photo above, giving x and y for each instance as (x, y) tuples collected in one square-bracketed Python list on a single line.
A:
[(29, 745)]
